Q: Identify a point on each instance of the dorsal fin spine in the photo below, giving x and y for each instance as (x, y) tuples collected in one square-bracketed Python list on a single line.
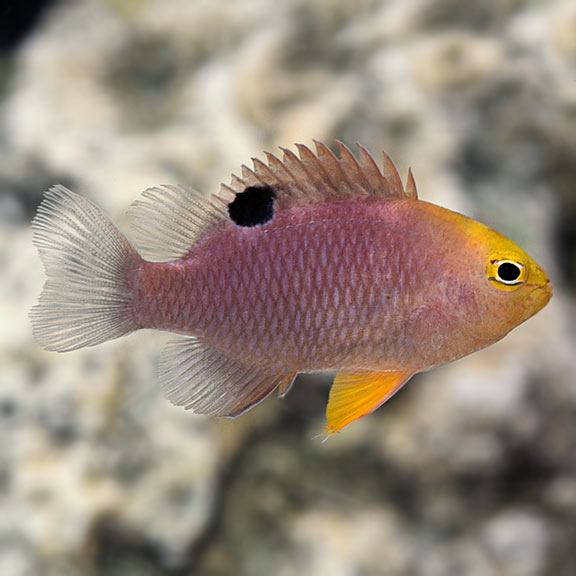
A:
[(238, 183), (308, 179), (225, 189), (371, 170), (319, 175), (325, 153), (320, 151), (392, 176), (263, 171), (275, 164), (410, 189), (247, 173), (296, 166), (253, 178), (351, 163), (344, 173)]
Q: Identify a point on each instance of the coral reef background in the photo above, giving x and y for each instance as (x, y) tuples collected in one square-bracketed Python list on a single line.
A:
[(470, 470)]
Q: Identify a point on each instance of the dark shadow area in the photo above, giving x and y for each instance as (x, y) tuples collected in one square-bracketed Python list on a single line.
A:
[(18, 19)]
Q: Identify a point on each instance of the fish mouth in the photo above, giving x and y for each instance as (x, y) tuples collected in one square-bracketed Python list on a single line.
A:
[(540, 294)]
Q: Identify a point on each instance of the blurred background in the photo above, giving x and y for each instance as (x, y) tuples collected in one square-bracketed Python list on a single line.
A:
[(470, 470)]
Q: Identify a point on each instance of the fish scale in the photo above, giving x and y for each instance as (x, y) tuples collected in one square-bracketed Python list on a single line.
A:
[(288, 316)]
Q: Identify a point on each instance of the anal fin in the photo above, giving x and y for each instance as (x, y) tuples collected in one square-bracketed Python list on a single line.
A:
[(286, 385), (357, 393), (204, 380)]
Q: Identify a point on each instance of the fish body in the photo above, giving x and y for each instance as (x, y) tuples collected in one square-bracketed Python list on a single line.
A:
[(306, 264), (360, 284)]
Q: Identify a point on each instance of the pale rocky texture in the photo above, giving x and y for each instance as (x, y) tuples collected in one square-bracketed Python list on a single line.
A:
[(471, 470)]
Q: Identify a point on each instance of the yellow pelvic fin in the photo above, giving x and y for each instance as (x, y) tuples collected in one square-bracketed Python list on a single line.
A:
[(355, 394)]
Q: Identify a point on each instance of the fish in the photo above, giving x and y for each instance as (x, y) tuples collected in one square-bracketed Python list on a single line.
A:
[(310, 261)]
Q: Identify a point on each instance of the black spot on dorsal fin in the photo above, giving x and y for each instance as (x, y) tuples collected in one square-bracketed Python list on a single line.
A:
[(170, 220), (254, 206)]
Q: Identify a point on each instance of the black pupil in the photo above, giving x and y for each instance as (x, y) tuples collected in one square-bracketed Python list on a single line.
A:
[(508, 272), (253, 206)]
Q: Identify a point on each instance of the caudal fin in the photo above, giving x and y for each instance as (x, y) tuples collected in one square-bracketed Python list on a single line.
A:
[(87, 298)]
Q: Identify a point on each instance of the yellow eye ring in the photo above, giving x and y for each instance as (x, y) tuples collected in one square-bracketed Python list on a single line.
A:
[(506, 274)]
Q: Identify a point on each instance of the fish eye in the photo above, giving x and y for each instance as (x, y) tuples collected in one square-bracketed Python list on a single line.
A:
[(507, 272)]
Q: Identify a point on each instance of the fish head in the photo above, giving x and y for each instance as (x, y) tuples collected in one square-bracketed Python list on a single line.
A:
[(512, 285)]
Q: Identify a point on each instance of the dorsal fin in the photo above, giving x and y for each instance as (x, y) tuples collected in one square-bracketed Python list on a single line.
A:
[(169, 220), (410, 187), (309, 178)]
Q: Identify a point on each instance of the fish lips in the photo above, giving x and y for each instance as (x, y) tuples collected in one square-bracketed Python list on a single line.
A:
[(540, 296)]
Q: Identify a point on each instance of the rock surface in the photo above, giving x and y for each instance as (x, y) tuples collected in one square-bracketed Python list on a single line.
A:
[(471, 470)]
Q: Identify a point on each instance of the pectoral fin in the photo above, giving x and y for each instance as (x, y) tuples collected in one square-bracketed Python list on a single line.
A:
[(355, 394)]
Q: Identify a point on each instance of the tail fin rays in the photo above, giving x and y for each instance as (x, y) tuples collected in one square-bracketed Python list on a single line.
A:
[(87, 298)]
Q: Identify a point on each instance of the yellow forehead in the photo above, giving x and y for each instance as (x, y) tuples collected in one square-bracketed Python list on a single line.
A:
[(496, 245), (482, 242)]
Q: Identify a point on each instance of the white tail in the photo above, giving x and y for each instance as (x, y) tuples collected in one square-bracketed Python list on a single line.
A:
[(87, 298)]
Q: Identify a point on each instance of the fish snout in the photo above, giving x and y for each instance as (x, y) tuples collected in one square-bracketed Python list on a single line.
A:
[(540, 295), (548, 290)]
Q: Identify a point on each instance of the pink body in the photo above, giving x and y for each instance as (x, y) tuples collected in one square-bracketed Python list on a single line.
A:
[(357, 284)]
